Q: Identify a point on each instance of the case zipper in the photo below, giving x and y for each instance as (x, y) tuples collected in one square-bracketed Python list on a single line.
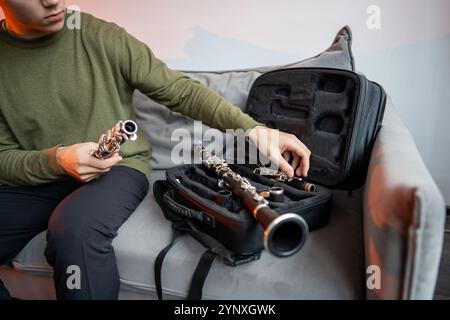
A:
[(368, 92), (357, 133)]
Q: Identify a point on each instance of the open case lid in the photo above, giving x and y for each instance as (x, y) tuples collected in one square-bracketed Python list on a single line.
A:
[(335, 113)]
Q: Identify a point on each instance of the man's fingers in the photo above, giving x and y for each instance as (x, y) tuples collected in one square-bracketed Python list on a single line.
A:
[(300, 150), (91, 146), (88, 170), (303, 169), (89, 178), (85, 178), (286, 156), (282, 149), (295, 161), (305, 164), (116, 153), (284, 166), (104, 164)]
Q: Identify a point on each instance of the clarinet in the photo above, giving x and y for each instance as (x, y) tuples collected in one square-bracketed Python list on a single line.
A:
[(111, 141), (284, 234)]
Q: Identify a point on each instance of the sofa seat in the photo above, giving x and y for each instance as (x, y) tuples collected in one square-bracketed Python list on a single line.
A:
[(329, 266)]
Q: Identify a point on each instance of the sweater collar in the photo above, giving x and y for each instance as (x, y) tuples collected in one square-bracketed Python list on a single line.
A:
[(33, 43)]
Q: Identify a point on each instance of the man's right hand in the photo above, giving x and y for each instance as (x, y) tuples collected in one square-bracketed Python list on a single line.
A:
[(77, 162)]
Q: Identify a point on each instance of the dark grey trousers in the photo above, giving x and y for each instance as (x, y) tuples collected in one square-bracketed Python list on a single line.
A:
[(82, 220)]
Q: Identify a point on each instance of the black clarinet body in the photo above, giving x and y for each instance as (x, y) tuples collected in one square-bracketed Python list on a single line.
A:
[(284, 234)]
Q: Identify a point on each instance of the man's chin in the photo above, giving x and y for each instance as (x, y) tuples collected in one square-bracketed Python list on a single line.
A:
[(53, 28), (56, 27)]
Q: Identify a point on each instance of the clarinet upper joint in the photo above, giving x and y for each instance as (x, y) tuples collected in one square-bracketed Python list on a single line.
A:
[(112, 139)]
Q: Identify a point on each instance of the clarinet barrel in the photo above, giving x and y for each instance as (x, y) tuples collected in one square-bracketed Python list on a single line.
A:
[(130, 128)]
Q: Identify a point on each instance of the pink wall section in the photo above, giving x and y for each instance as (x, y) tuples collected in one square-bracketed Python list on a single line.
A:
[(282, 25)]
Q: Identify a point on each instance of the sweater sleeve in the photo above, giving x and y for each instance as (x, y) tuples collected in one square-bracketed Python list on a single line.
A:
[(145, 72), (19, 167)]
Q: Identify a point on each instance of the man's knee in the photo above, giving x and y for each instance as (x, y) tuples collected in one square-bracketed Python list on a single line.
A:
[(71, 233)]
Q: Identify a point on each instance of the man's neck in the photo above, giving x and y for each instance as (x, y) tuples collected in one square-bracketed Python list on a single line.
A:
[(22, 32)]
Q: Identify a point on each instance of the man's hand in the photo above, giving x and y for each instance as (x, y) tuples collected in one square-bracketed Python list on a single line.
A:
[(76, 161), (279, 146)]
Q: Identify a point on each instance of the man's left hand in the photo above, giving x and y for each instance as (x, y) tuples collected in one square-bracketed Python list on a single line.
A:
[(280, 147)]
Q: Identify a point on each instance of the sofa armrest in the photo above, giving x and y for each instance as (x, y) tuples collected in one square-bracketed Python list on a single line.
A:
[(404, 215)]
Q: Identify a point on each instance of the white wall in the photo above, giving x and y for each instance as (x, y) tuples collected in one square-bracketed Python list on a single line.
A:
[(409, 55)]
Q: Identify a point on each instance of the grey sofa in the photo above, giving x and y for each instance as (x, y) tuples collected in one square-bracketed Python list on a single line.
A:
[(393, 225)]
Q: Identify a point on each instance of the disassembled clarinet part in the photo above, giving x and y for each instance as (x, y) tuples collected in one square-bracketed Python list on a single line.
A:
[(283, 177), (308, 186), (273, 174), (224, 198), (112, 139), (276, 194)]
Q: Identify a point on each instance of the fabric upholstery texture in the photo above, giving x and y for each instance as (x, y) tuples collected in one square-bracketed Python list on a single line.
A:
[(404, 216)]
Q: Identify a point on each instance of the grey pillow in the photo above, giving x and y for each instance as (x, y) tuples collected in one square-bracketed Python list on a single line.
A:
[(158, 122)]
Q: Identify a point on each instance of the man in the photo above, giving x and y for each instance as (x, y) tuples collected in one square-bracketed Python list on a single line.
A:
[(61, 88)]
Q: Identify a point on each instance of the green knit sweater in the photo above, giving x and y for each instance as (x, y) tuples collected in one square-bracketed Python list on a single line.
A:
[(70, 87)]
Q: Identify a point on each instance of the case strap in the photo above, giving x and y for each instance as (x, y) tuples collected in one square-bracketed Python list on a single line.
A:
[(200, 274), (172, 210), (159, 262), (162, 192), (180, 209)]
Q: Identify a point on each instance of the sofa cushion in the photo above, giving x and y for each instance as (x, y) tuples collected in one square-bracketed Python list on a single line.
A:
[(402, 206), (158, 122), (329, 266)]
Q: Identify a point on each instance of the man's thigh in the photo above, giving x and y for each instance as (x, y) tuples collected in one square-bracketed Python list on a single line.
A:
[(25, 212), (97, 209)]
